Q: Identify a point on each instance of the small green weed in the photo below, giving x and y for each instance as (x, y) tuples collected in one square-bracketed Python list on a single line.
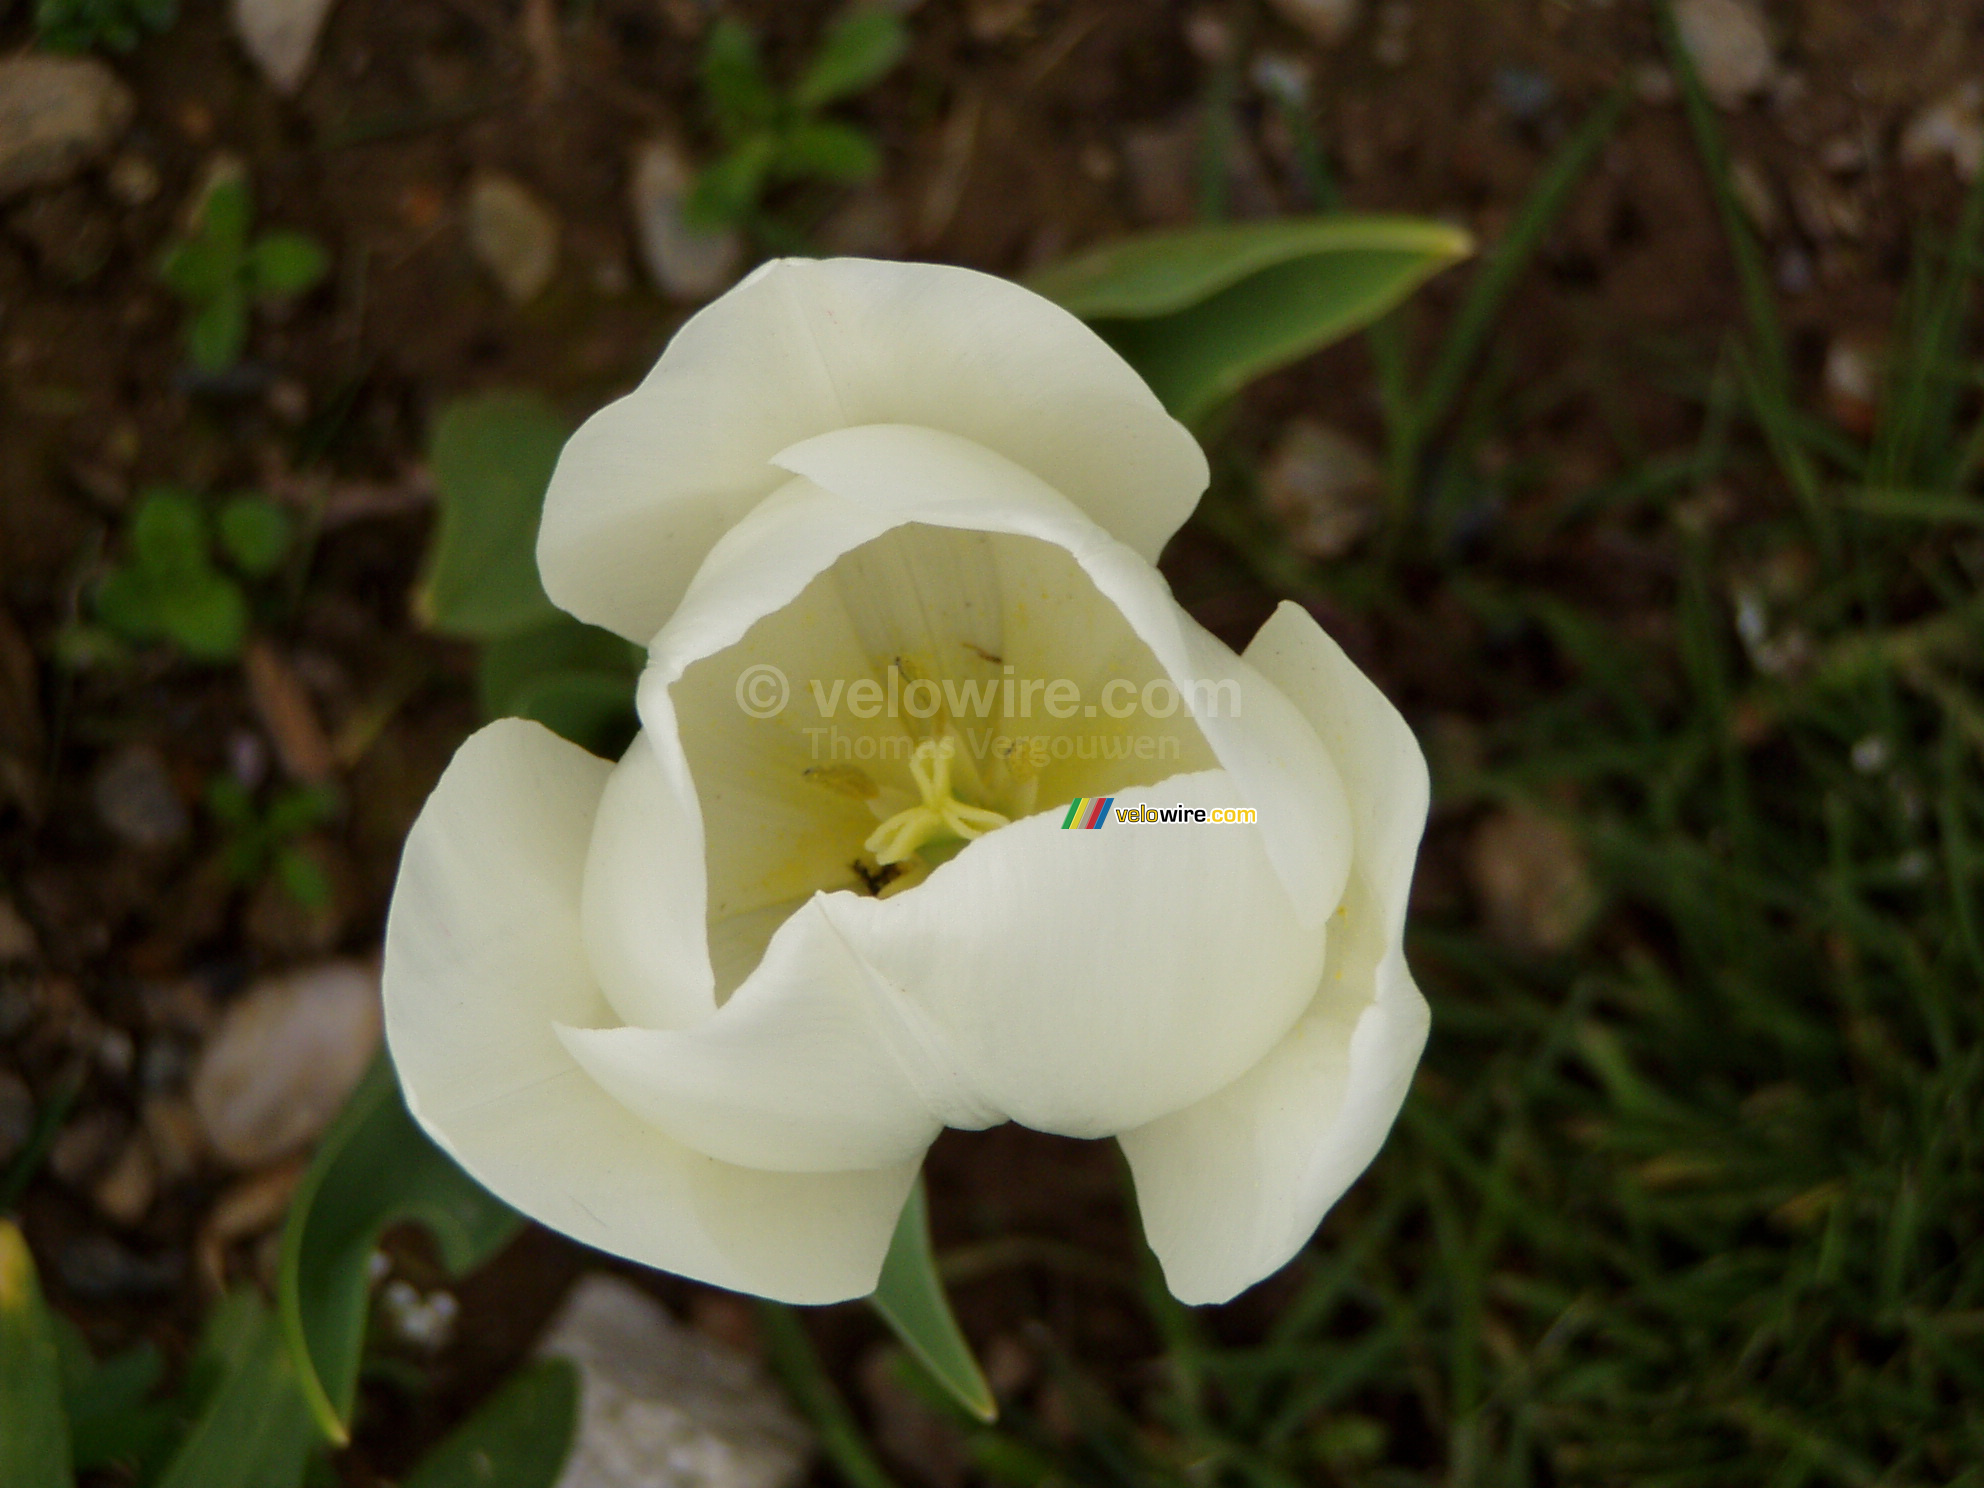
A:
[(772, 136), (181, 579), (101, 25), (264, 839), (220, 272)]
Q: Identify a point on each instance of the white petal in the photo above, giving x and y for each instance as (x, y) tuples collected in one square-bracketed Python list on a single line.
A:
[(801, 347), (862, 482), (643, 901), (921, 475), (799, 1071), (1230, 1189), (1084, 982), (483, 957)]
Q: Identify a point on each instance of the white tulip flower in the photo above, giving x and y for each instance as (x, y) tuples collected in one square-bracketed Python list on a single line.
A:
[(887, 532)]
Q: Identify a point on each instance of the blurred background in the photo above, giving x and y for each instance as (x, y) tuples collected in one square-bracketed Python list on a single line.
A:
[(1658, 519)]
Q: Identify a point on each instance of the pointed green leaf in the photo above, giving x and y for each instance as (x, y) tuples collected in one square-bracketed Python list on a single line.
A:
[(168, 535), (518, 1439), (858, 50), (206, 616), (112, 1419), (910, 1297), (34, 1430), (252, 1429), (740, 95), (255, 534), (287, 263), (218, 332), (577, 680), (375, 1168), (1202, 311), (827, 151), (492, 456), (728, 187), (227, 212), (197, 269)]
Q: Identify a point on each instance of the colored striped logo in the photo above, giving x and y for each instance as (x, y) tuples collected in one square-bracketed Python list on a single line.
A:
[(1087, 814)]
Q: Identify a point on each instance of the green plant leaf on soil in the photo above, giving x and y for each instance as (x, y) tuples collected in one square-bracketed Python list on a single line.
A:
[(1202, 312), (727, 189), (123, 602), (207, 617), (577, 680), (492, 456), (168, 534), (375, 1168), (740, 95), (287, 263), (911, 1299), (218, 332), (826, 151), (251, 1428), (112, 1418), (519, 1438), (1155, 274), (857, 50), (227, 212), (198, 269), (255, 534), (34, 1439)]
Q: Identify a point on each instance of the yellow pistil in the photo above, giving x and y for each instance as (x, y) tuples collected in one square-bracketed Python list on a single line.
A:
[(939, 817)]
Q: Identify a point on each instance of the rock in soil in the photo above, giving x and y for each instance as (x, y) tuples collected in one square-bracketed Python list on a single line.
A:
[(125, 1193), (1329, 21), (1730, 47), (1951, 128), (135, 797), (57, 115), (284, 1058), (281, 37), (685, 263), (1530, 875), (1323, 488), (514, 236), (662, 1406)]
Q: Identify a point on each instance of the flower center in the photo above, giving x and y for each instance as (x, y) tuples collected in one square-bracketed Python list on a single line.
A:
[(937, 822)]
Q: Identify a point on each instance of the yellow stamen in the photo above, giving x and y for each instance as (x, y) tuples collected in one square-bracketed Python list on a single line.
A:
[(938, 817)]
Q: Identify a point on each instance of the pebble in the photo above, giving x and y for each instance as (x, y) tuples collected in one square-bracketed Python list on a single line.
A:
[(1323, 488), (17, 942), (1531, 877), (280, 36), (134, 795), (98, 1268), (57, 115), (16, 1115), (514, 235), (1730, 47), (1853, 386), (132, 179), (661, 1406), (126, 1191), (685, 263), (1329, 21), (284, 1058), (1952, 129)]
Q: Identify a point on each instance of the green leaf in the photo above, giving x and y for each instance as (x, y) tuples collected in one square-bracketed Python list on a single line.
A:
[(110, 1419), (198, 269), (168, 535), (858, 49), (518, 1439), (375, 1168), (910, 1297), (287, 263), (728, 187), (740, 95), (226, 213), (577, 680), (251, 1429), (828, 152), (492, 456), (255, 534), (34, 1430), (218, 332), (1202, 311), (206, 616), (123, 601), (302, 879)]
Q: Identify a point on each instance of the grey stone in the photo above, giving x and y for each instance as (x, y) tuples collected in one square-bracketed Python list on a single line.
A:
[(284, 1058), (1323, 488), (514, 235), (686, 263), (662, 1406), (57, 115), (134, 795), (280, 36), (1950, 128), (1730, 47)]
